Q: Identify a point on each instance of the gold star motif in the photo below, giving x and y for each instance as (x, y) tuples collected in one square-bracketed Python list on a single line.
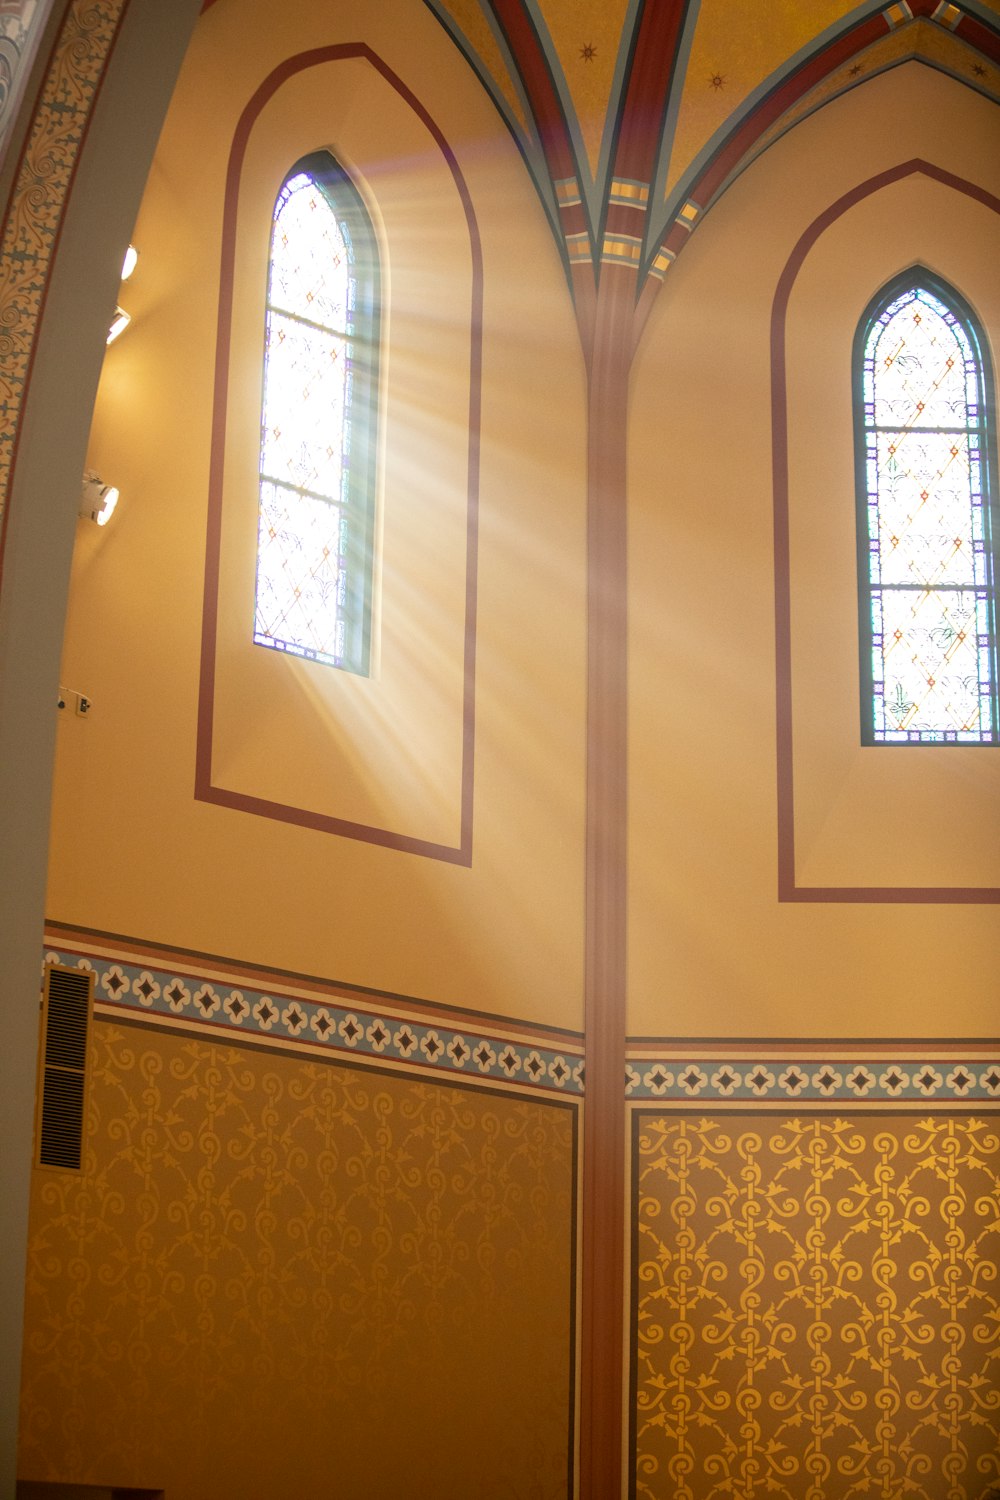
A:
[(588, 52), (717, 81)]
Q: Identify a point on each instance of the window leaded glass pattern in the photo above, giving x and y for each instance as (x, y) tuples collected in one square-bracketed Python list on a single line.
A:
[(317, 427), (927, 586)]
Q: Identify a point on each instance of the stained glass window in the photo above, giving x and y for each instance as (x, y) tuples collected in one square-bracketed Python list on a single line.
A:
[(317, 444), (925, 542)]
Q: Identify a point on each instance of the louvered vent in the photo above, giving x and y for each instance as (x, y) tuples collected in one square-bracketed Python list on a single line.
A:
[(65, 1022)]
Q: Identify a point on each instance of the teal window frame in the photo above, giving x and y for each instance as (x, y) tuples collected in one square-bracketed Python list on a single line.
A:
[(352, 508), (980, 429)]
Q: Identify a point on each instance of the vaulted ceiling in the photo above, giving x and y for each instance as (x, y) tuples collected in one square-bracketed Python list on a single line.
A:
[(634, 115)]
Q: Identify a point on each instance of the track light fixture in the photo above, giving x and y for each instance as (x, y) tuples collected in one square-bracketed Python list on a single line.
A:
[(97, 499), (119, 323), (122, 319)]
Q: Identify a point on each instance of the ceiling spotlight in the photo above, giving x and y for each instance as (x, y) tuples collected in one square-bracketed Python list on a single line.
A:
[(131, 256), (119, 323), (97, 499)]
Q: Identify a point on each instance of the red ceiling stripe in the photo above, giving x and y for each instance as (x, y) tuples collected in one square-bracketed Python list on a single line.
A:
[(648, 88), (543, 99), (782, 98), (979, 35)]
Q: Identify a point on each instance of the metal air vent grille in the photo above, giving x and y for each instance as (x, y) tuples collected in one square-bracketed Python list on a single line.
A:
[(66, 1005)]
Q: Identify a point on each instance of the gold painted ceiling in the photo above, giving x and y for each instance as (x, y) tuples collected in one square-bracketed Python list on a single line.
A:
[(633, 115)]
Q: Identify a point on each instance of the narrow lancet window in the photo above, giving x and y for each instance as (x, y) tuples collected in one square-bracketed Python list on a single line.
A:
[(317, 447), (925, 542)]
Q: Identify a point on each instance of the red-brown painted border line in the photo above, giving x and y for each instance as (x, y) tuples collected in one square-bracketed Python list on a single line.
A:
[(205, 791), (788, 889), (261, 976), (607, 335), (603, 1291), (603, 1226)]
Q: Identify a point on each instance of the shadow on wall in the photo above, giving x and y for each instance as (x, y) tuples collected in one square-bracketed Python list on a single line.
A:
[(28, 1490)]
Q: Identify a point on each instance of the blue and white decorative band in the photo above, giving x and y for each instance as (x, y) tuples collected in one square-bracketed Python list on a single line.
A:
[(840, 1081), (332, 1027), (327, 1026)]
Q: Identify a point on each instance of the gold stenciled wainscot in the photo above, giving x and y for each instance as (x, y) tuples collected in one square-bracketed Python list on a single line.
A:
[(816, 1305)]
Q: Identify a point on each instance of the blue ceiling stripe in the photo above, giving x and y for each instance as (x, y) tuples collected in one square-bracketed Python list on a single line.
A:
[(612, 119), (528, 144), (658, 184), (660, 218), (579, 153)]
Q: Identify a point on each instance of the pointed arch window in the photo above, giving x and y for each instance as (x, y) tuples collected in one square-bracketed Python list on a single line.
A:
[(926, 533), (318, 424)]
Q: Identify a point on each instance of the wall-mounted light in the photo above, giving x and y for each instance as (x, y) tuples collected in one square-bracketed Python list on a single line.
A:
[(97, 499), (119, 323), (122, 319)]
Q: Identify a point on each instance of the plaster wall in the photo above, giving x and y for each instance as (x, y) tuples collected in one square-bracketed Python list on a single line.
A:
[(60, 353), (132, 851), (712, 949)]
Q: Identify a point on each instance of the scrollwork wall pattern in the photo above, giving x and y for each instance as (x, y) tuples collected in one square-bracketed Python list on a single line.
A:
[(39, 196), (817, 1308), (280, 1276)]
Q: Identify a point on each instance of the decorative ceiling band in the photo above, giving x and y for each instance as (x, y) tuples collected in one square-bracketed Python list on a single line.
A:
[(625, 249), (628, 193), (578, 247), (947, 15), (897, 15), (662, 262), (567, 192)]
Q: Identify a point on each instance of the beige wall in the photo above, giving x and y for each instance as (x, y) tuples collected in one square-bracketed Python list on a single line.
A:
[(373, 1279), (60, 253), (712, 952), (132, 851), (190, 1265)]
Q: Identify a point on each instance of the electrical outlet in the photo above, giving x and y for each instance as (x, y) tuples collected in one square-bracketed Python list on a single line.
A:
[(83, 705)]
